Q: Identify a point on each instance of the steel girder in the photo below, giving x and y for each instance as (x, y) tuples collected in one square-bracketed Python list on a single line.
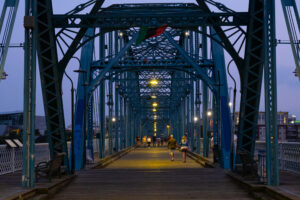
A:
[(123, 17), (28, 179), (271, 94), (292, 20), (12, 6), (251, 78), (50, 79)]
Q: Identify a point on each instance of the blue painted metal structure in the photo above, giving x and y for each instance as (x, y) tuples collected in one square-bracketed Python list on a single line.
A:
[(28, 176), (292, 20), (177, 59), (7, 18)]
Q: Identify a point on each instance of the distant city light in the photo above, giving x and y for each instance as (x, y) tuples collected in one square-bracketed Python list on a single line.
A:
[(187, 33), (113, 119), (153, 97), (230, 104), (154, 110), (195, 119), (121, 34)]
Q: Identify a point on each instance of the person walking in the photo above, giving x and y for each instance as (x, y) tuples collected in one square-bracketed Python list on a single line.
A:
[(172, 144), (184, 147)]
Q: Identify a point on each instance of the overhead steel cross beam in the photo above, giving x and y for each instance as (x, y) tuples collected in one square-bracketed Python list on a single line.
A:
[(125, 20)]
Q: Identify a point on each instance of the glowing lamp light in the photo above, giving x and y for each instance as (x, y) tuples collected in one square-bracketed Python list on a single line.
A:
[(195, 119), (209, 113), (121, 34), (168, 126), (154, 104), (187, 33), (153, 97), (154, 110), (230, 104), (153, 82), (113, 119)]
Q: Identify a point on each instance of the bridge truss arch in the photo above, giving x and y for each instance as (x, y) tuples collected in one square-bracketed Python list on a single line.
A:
[(241, 34)]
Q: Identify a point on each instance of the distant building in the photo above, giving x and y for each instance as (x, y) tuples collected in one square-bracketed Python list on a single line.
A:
[(288, 130), (14, 120)]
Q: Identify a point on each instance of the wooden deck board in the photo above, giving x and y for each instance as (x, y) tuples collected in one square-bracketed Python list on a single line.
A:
[(149, 174)]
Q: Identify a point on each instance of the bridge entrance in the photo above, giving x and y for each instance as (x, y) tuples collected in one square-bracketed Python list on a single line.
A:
[(151, 70)]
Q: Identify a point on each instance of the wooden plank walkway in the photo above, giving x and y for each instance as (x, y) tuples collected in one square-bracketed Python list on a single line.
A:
[(147, 173)]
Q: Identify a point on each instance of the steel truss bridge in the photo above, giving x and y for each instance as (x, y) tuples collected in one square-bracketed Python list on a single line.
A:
[(115, 98)]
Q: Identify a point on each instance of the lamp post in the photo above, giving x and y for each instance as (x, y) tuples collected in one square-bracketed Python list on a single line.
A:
[(72, 124), (168, 127), (233, 116)]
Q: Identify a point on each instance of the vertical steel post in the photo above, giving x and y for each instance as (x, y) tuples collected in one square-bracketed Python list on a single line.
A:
[(28, 179), (102, 101), (198, 122), (117, 122), (205, 98), (122, 127), (110, 112), (90, 133), (192, 120), (271, 94)]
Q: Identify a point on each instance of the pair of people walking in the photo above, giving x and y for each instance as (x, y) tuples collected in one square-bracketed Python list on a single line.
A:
[(172, 145)]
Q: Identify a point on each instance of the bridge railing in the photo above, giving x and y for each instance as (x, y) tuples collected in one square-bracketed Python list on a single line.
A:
[(288, 157), (11, 158)]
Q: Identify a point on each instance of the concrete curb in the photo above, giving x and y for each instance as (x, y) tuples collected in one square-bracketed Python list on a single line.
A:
[(266, 192), (112, 158), (201, 160)]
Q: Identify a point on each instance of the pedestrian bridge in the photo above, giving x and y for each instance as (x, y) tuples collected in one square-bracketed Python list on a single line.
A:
[(150, 70), (148, 173)]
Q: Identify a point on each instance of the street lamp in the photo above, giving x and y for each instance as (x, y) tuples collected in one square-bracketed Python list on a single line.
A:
[(153, 82), (195, 119), (168, 127), (209, 113), (154, 104), (72, 124), (113, 119)]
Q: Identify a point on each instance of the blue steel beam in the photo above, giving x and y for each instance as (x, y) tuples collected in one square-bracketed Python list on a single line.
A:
[(81, 103), (98, 79), (12, 5), (201, 73), (220, 72), (28, 176), (271, 94), (293, 23), (182, 18)]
